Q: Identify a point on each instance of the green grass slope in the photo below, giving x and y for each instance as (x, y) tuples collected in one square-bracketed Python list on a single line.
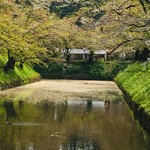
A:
[(135, 80), (16, 77)]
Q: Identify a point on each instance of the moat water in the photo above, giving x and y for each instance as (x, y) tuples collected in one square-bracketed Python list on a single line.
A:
[(69, 125), (73, 125)]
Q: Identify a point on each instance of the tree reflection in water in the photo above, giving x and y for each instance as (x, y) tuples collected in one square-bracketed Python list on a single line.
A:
[(77, 142), (30, 146), (101, 128), (10, 110)]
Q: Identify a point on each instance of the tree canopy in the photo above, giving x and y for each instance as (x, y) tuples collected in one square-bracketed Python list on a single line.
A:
[(30, 31)]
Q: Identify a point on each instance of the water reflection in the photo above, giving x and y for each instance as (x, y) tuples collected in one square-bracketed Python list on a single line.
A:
[(10, 110), (72, 125)]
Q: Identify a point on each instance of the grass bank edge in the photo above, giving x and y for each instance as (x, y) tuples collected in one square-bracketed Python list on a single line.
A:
[(136, 82), (18, 76)]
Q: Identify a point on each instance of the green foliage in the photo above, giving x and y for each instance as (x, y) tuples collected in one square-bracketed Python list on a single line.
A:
[(22, 32), (68, 8), (107, 70), (82, 70), (72, 68), (64, 9), (31, 33), (3, 61), (135, 80), (121, 65), (52, 69), (97, 71), (55, 67)]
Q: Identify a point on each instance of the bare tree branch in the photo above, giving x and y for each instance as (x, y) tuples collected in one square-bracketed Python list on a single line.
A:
[(124, 42), (131, 6)]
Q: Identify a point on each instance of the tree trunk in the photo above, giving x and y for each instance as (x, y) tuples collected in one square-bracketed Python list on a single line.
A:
[(10, 63), (91, 57), (21, 65), (67, 54)]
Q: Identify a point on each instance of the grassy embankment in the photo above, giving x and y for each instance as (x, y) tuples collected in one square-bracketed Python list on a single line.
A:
[(135, 82), (16, 77)]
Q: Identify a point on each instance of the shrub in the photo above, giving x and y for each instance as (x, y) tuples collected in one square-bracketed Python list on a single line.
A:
[(96, 71), (55, 67), (72, 68)]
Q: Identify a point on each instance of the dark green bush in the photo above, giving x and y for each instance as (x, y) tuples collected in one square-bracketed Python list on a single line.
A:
[(72, 68), (96, 71), (82, 70), (106, 70), (114, 68), (55, 67)]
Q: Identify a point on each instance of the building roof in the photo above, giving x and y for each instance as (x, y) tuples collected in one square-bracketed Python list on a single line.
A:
[(79, 51), (85, 51)]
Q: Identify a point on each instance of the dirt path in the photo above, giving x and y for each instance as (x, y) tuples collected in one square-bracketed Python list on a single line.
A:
[(58, 90)]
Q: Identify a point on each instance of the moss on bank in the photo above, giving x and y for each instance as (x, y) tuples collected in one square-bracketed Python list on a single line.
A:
[(18, 76)]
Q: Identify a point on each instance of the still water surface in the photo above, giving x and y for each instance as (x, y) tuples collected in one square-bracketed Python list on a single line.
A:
[(70, 125)]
